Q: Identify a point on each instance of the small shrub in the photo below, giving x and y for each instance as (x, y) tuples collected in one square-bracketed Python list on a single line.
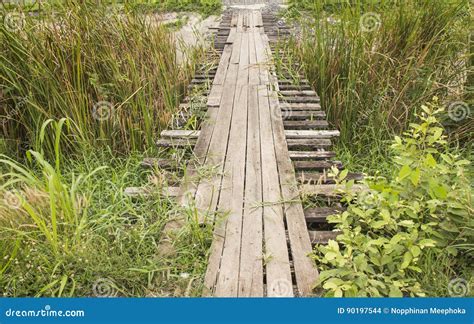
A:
[(425, 207)]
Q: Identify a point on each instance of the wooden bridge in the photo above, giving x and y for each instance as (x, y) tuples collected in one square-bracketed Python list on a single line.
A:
[(267, 140)]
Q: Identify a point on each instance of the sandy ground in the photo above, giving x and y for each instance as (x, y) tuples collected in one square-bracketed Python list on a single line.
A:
[(194, 32)]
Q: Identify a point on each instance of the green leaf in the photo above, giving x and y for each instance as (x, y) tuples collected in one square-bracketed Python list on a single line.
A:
[(338, 293), (430, 161), (427, 243), (385, 214), (330, 256), (395, 292), (333, 283), (379, 224), (415, 251), (437, 134), (407, 258), (452, 250), (440, 191), (343, 174), (404, 172), (333, 245), (406, 223), (415, 177)]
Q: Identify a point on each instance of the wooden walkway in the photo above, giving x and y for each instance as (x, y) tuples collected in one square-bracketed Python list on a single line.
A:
[(267, 141), (253, 199)]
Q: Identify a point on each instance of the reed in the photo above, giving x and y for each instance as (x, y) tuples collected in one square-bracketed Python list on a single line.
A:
[(374, 62), (113, 75)]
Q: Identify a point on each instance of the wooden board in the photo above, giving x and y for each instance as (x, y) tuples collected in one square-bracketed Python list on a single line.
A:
[(261, 244), (305, 269), (234, 181), (251, 264)]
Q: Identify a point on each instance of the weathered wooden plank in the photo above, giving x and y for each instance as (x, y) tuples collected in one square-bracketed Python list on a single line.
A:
[(258, 19), (176, 143), (300, 99), (329, 190), (309, 134), (180, 133), (279, 281), (222, 67), (231, 38), (322, 237), (227, 284), (299, 93), (232, 198), (305, 124), (234, 20), (316, 165), (235, 57), (304, 115), (251, 264), (305, 270), (311, 155), (209, 191), (189, 187), (295, 87), (278, 273), (320, 214), (254, 71), (312, 144), (321, 177), (240, 22), (262, 58), (300, 106)]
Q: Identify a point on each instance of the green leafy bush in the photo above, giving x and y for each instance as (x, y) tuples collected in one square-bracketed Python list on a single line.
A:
[(388, 229)]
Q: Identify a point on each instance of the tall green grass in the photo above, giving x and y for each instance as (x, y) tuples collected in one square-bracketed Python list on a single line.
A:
[(205, 7), (67, 229), (374, 62), (113, 75)]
